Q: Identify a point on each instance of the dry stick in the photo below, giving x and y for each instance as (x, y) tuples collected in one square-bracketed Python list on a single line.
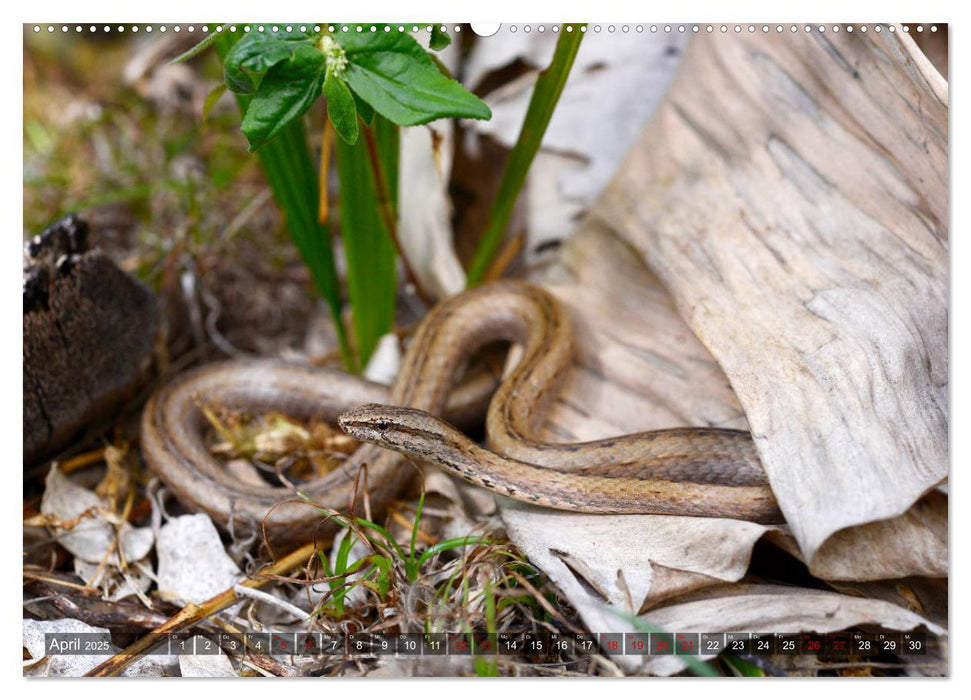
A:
[(82, 460), (58, 582), (191, 613), (384, 206), (507, 254)]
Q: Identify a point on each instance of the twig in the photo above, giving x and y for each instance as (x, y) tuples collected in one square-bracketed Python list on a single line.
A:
[(251, 664), (82, 460), (90, 608), (192, 614), (504, 258), (58, 582), (246, 592), (234, 226)]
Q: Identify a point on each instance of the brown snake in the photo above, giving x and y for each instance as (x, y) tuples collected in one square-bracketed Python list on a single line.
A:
[(685, 471)]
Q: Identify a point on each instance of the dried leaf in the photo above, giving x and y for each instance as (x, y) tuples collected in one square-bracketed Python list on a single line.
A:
[(214, 665), (93, 536), (583, 553), (425, 210), (816, 271), (115, 584), (192, 564), (763, 608)]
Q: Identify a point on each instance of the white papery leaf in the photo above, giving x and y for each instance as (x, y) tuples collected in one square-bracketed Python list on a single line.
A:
[(192, 563)]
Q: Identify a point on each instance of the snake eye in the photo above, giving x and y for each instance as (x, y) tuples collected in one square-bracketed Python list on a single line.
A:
[(382, 425)]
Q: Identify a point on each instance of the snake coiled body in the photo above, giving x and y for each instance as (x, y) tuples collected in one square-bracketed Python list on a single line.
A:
[(689, 471)]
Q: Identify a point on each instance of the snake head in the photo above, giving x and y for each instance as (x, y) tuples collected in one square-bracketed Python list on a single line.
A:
[(405, 430)]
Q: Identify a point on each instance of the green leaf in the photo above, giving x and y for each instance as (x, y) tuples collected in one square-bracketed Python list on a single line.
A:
[(364, 111), (368, 248), (383, 566), (395, 75), (343, 551), (341, 108), (543, 101), (454, 543), (286, 92), (385, 535), (257, 52), (290, 170), (439, 39)]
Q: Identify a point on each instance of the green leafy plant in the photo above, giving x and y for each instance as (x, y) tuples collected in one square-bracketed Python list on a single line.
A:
[(386, 562), (289, 166), (374, 79), (365, 69)]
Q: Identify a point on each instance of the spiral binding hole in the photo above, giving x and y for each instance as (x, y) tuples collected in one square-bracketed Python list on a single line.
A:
[(512, 28)]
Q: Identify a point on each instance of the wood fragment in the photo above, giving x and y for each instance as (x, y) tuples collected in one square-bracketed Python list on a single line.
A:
[(89, 332)]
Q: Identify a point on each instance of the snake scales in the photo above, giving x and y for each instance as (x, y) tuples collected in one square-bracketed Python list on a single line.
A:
[(686, 471)]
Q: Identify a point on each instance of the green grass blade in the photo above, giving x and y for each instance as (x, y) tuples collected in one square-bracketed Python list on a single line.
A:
[(454, 543), (743, 667), (485, 667), (414, 527), (343, 551), (546, 94), (292, 176), (389, 541), (368, 247)]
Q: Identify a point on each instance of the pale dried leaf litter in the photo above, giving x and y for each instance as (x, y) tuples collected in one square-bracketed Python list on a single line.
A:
[(766, 608), (209, 665), (94, 536), (192, 564), (425, 210), (616, 83), (605, 564), (797, 213), (69, 665), (385, 360)]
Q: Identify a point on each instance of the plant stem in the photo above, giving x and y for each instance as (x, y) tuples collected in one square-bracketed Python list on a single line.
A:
[(388, 214), (325, 143), (546, 94)]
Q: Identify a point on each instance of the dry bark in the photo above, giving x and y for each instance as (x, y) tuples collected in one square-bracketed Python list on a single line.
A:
[(89, 333)]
